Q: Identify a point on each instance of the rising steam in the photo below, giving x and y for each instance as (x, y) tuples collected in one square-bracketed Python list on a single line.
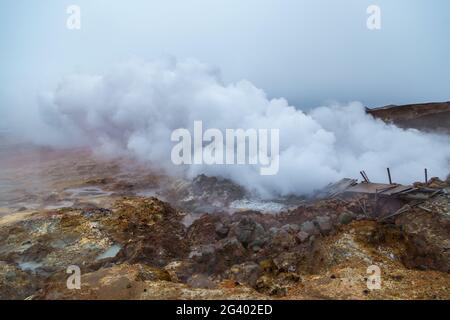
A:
[(134, 109)]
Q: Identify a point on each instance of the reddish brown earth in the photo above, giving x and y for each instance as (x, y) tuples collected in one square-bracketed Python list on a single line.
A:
[(426, 116), (321, 250)]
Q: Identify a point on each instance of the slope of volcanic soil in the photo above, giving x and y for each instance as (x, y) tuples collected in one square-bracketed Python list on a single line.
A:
[(426, 116), (140, 249)]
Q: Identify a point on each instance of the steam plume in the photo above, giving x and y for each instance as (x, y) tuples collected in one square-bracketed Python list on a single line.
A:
[(133, 109)]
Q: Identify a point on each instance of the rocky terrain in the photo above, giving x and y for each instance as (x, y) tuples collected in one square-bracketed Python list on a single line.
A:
[(140, 248)]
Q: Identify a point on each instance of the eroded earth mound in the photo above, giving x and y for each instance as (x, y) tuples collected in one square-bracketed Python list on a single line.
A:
[(141, 249)]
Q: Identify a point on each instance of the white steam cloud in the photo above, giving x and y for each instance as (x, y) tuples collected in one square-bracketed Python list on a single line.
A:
[(134, 109)]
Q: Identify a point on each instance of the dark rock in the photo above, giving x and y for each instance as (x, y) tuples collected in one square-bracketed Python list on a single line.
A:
[(201, 281), (346, 217), (309, 228), (248, 273), (221, 230), (324, 223), (281, 240), (219, 256), (231, 250), (302, 236), (203, 254), (248, 232), (203, 230)]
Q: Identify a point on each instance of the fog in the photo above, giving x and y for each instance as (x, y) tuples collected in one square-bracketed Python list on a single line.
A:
[(133, 109), (307, 51), (262, 63)]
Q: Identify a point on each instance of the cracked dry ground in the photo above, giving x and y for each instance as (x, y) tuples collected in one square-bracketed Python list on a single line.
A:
[(140, 249)]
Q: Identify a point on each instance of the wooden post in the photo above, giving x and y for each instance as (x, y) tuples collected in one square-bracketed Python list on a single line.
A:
[(389, 175), (426, 175), (364, 176)]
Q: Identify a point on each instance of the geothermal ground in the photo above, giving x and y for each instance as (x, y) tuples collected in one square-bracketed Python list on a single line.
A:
[(136, 234)]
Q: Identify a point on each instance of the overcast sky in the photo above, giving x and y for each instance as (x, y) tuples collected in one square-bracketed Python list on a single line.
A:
[(307, 51)]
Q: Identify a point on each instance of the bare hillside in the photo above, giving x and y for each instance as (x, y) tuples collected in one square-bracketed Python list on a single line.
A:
[(426, 116)]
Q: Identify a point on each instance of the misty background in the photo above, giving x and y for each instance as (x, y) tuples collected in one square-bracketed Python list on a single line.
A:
[(309, 52), (132, 110), (139, 69)]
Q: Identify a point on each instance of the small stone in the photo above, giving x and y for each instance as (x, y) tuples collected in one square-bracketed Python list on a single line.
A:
[(230, 249), (201, 281), (221, 230), (256, 248), (302, 236), (247, 231), (283, 239), (346, 217), (202, 254), (324, 223), (247, 272), (309, 228)]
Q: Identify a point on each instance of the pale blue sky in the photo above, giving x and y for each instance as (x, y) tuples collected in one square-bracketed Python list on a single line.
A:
[(307, 51)]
